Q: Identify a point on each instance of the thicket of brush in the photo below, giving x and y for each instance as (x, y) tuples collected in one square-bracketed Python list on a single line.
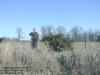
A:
[(58, 41)]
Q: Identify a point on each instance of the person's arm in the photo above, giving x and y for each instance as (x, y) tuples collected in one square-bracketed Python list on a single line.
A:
[(30, 34), (37, 36)]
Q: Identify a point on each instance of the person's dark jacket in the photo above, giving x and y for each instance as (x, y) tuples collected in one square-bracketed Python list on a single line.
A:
[(34, 36)]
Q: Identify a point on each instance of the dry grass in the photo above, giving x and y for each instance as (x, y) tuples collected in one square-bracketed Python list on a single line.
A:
[(44, 61)]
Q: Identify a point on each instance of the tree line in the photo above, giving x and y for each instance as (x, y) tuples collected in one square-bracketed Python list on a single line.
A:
[(76, 34), (59, 39)]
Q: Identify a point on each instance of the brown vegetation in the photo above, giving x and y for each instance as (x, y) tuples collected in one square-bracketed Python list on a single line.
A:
[(45, 61)]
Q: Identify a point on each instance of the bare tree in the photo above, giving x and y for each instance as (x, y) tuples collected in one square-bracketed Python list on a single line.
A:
[(19, 33), (76, 33), (49, 29), (43, 31), (91, 35), (97, 36), (46, 30), (61, 30)]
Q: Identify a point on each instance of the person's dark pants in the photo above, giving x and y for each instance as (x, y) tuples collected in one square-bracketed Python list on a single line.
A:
[(34, 43)]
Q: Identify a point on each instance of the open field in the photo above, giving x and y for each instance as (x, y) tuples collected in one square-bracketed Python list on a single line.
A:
[(45, 61)]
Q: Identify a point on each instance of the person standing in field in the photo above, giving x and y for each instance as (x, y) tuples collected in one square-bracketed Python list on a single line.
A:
[(34, 38)]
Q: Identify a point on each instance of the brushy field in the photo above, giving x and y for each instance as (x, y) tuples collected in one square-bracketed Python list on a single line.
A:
[(45, 61)]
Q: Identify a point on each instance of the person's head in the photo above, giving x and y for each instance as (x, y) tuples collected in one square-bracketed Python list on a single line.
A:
[(34, 30)]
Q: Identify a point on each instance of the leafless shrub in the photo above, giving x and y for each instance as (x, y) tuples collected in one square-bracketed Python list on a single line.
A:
[(19, 33)]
